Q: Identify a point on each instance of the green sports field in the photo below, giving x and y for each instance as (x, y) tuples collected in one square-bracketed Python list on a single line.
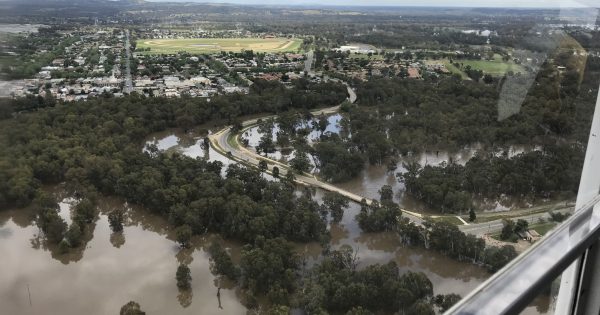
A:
[(495, 67), (215, 45)]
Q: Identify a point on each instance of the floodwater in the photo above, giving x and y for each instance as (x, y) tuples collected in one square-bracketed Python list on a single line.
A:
[(176, 141), (253, 135), (372, 177), (139, 264), (109, 270), (369, 181), (447, 275)]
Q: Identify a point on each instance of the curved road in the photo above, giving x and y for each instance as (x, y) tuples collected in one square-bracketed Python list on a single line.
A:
[(227, 144), (221, 141)]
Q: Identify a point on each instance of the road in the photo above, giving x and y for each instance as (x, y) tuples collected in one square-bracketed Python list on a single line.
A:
[(496, 225), (220, 141), (128, 82), (227, 144), (309, 61)]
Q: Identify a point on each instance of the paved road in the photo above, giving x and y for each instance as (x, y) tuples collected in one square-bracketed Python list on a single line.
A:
[(496, 225), (220, 142), (128, 82), (309, 61), (237, 152)]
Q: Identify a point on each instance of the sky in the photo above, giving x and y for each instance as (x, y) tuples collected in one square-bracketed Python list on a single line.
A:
[(443, 3)]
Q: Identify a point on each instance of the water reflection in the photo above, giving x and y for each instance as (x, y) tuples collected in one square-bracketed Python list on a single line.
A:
[(143, 267), (447, 275), (140, 263), (188, 144), (178, 141), (253, 136), (106, 276), (185, 297)]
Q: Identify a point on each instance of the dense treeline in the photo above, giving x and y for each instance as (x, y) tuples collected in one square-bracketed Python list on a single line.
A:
[(95, 146), (270, 268), (450, 112), (416, 115), (551, 171), (404, 117), (337, 286), (97, 143), (337, 161)]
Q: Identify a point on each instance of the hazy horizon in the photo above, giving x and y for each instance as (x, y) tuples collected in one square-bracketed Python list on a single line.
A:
[(423, 3)]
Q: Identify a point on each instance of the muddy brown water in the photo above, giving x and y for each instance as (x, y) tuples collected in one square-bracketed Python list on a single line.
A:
[(109, 270), (139, 264), (370, 180)]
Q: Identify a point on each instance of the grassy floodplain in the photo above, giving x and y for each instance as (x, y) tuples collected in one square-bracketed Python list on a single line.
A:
[(215, 45)]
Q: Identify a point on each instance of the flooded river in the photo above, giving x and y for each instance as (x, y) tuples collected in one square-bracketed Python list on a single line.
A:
[(369, 181), (139, 264), (110, 270)]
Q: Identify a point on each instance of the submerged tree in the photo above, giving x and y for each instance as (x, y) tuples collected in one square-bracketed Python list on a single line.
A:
[(336, 204), (53, 226), (73, 235), (131, 308), (386, 194), (115, 219), (300, 162), (183, 277), (221, 263), (84, 212), (183, 234), (378, 217), (266, 144)]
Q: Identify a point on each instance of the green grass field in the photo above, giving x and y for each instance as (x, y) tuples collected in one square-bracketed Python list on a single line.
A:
[(495, 67), (454, 69), (215, 45), (543, 228)]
